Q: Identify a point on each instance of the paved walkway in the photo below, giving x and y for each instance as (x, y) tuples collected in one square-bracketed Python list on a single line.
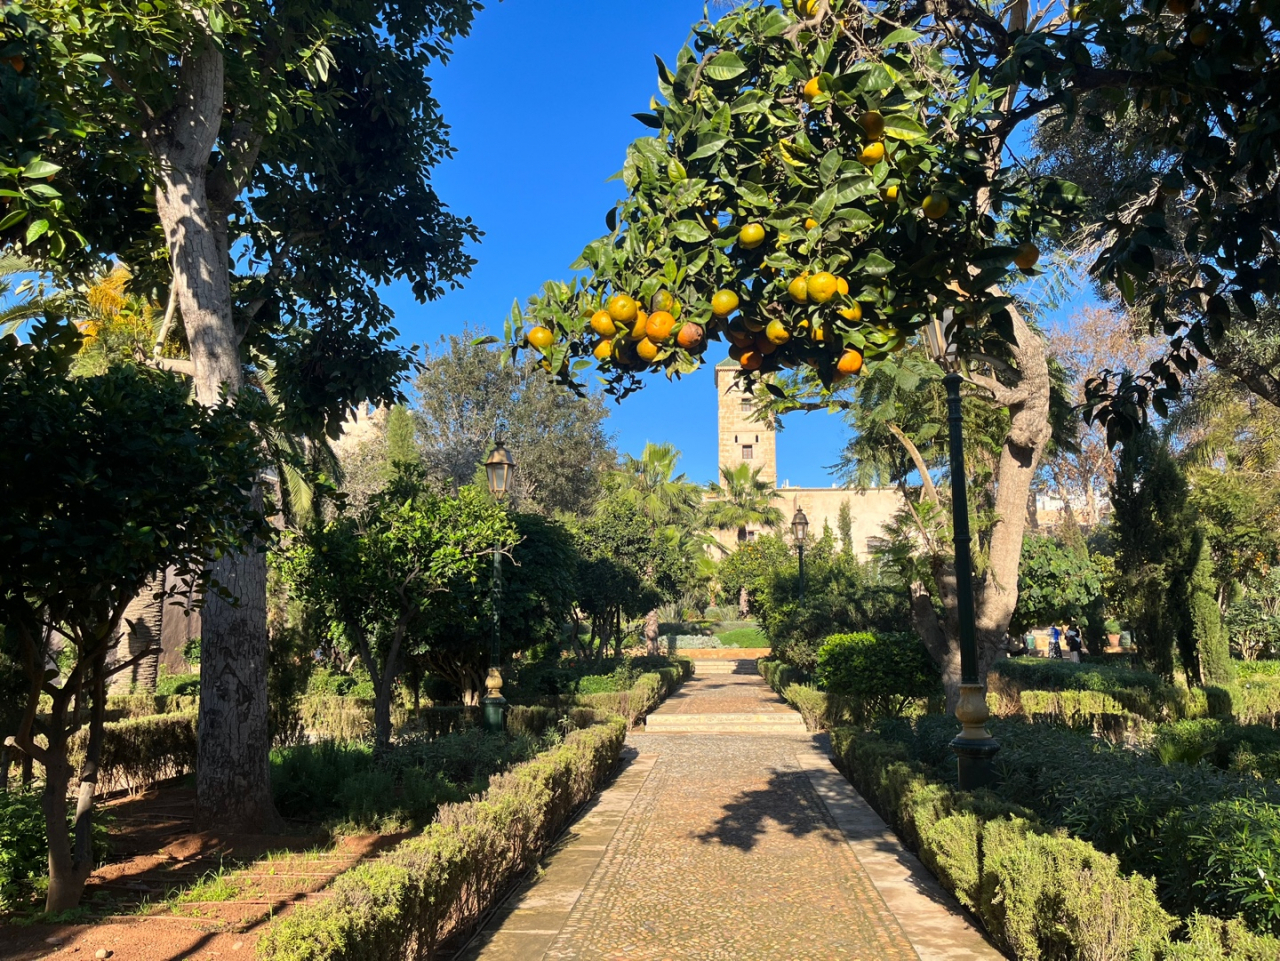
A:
[(729, 846)]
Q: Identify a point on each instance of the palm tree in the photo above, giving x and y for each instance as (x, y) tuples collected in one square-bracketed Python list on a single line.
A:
[(26, 301), (742, 501)]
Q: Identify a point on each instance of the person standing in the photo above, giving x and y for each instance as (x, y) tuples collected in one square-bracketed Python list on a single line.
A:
[(1055, 642), (1075, 645)]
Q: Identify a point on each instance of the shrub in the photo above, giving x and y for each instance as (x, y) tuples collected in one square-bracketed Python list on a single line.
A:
[(780, 676), (819, 709), (182, 684), (24, 849), (1212, 939), (879, 673), (406, 902), (621, 679), (744, 637), (140, 751), (332, 717), (122, 706)]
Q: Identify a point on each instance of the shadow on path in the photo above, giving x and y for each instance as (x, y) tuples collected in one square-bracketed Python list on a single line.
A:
[(786, 799)]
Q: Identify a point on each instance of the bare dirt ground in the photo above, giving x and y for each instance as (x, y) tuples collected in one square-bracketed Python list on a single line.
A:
[(168, 892)]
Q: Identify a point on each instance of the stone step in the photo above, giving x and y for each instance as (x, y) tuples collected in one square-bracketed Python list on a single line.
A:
[(723, 666), (777, 723)]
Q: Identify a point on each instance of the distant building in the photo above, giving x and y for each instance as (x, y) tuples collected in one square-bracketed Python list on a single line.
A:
[(745, 438)]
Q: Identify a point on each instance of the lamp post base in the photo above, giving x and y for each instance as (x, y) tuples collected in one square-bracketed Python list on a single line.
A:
[(974, 747), (495, 705)]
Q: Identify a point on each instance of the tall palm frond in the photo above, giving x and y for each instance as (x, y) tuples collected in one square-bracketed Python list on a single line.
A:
[(20, 300), (653, 488), (743, 500), (299, 461)]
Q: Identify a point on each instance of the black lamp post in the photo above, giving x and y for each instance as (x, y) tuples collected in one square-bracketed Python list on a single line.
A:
[(799, 528), (499, 469), (974, 746)]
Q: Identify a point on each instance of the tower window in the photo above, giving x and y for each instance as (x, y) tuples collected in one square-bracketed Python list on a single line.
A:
[(746, 452), (746, 405)]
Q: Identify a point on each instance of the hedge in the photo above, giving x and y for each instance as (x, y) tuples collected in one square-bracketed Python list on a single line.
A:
[(140, 751), (1039, 892), (646, 694), (405, 903), (122, 706)]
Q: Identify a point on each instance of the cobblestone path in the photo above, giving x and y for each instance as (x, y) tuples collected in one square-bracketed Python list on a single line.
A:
[(725, 846)]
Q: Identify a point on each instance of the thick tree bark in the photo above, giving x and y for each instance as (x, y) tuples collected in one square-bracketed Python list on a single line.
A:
[(651, 634), (138, 640), (232, 785)]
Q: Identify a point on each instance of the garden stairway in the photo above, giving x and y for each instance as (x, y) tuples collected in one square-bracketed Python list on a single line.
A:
[(724, 697)]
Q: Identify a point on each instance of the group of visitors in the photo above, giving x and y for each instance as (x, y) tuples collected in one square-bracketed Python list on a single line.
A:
[(1057, 634)]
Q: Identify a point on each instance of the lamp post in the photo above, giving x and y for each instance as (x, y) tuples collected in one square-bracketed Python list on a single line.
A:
[(499, 469), (974, 747), (799, 528)]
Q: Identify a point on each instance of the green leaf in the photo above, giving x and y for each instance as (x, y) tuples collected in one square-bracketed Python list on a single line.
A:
[(753, 194), (11, 218), (40, 169), (724, 66), (709, 144), (874, 263), (36, 230), (690, 231), (901, 35), (901, 127)]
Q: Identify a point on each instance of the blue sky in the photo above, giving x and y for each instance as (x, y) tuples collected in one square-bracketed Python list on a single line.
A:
[(540, 99)]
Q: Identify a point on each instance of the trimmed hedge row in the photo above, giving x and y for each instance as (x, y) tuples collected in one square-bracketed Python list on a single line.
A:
[(820, 710), (1039, 893), (404, 903), (646, 694), (140, 751), (122, 706)]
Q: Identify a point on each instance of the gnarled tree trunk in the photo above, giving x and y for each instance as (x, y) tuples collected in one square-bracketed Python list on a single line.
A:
[(138, 640), (232, 785)]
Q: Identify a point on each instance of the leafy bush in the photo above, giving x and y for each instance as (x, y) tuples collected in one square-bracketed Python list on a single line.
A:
[(24, 849), (180, 684), (1039, 895), (122, 706), (780, 676), (815, 706), (621, 679), (140, 751), (356, 684), (406, 902), (879, 673)]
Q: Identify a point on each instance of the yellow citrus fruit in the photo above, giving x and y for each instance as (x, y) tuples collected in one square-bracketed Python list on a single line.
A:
[(751, 236), (850, 362), (691, 336), (777, 332), (810, 223), (647, 350), (540, 337), (1200, 34), (871, 154), (890, 194), (822, 287), (638, 325), (1026, 255), (806, 8), (852, 313), (622, 308), (662, 300), (659, 326), (603, 324), (812, 91), (872, 124), (1078, 11), (724, 302), (936, 205), (842, 287), (819, 334), (751, 360), (799, 290), (603, 351)]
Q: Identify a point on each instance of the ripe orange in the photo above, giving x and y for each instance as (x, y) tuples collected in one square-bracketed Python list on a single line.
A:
[(603, 351), (810, 223), (806, 8), (751, 359), (662, 300), (540, 338), (936, 205), (819, 334), (751, 236), (691, 336), (871, 154), (638, 326), (603, 324), (850, 362), (1026, 256), (852, 313), (659, 326), (736, 351), (740, 338), (872, 124), (1200, 34), (777, 332), (724, 302), (799, 290), (622, 308), (812, 91), (889, 194), (764, 345), (822, 286), (647, 350), (17, 62), (842, 287)]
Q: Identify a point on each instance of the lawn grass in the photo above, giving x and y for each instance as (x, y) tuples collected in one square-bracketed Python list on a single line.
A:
[(744, 637)]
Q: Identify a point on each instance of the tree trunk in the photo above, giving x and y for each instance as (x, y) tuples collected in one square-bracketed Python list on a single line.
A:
[(67, 872), (651, 633), (744, 602), (139, 634), (382, 714)]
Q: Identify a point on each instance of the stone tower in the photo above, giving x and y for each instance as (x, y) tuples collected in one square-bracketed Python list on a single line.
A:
[(743, 438)]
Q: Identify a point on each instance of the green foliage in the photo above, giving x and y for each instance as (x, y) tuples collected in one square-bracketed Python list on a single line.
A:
[(177, 685), (819, 709), (881, 673), (742, 501), (436, 884), (744, 637), (622, 678), (1213, 651), (123, 706), (141, 751), (24, 848), (1057, 583), (751, 566), (402, 447)]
